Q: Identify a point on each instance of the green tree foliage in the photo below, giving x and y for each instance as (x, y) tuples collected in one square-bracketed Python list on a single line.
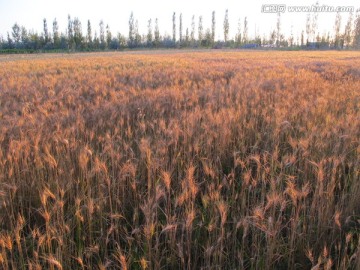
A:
[(207, 41), (24, 37), (9, 43), (16, 33), (96, 42), (202, 36)]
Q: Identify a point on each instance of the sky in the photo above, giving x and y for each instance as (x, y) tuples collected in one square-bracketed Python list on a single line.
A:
[(115, 13)]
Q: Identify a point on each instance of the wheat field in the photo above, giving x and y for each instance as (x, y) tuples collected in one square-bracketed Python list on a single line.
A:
[(180, 160)]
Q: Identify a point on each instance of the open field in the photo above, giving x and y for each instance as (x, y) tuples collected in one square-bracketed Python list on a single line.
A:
[(207, 160)]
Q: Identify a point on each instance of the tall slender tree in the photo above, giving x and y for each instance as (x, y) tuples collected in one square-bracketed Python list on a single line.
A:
[(78, 36), (356, 37), (157, 33), (192, 34), (337, 26), (238, 34), (207, 40), (70, 33), (24, 37), (149, 34), (96, 41), (314, 23), (46, 31), (131, 30), (187, 38), (137, 34), (226, 26), (108, 36), (302, 38), (174, 27), (291, 38), (102, 34), (213, 27), (56, 35), (278, 29), (10, 43), (180, 28), (245, 32), (308, 28), (200, 30), (348, 31), (89, 39), (16, 33)]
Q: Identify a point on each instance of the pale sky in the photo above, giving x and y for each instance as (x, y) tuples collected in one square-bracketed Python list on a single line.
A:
[(30, 13)]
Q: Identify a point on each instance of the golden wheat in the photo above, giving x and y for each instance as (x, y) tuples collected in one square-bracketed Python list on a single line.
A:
[(204, 160)]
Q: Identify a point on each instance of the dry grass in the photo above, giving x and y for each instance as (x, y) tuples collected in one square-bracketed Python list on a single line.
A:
[(229, 160)]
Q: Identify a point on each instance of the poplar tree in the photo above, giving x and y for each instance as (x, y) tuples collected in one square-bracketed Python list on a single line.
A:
[(238, 35), (157, 33), (192, 34), (226, 26), (70, 33), (137, 34), (89, 34), (278, 30), (308, 28), (46, 31), (108, 36), (200, 31), (78, 36), (102, 34), (356, 37), (131, 30), (149, 34), (180, 28), (245, 33), (56, 35), (174, 27), (337, 26), (16, 33), (213, 27), (348, 31)]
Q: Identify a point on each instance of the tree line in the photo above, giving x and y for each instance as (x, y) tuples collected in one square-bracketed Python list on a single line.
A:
[(195, 36)]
